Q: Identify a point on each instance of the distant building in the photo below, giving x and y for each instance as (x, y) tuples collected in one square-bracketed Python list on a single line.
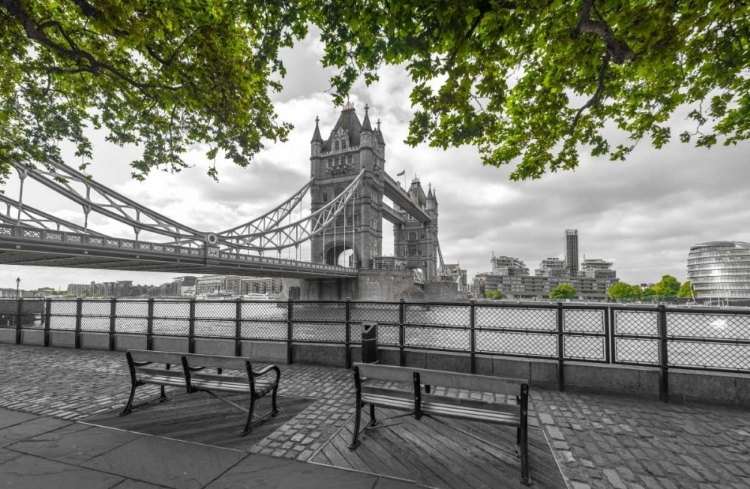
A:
[(571, 251), (454, 273), (511, 276), (720, 269)]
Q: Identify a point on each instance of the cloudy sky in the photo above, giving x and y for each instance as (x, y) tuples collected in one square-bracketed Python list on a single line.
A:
[(642, 214)]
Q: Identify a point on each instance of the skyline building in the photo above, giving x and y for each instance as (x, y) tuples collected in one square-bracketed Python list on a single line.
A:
[(571, 251), (720, 270)]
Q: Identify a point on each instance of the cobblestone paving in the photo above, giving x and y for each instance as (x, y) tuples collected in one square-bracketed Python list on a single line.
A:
[(617, 442), (600, 441)]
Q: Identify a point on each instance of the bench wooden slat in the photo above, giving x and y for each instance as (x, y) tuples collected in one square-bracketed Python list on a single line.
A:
[(163, 380), (385, 372), (457, 404), (388, 401), (163, 357), (475, 414), (160, 372), (481, 383), (200, 376), (215, 361)]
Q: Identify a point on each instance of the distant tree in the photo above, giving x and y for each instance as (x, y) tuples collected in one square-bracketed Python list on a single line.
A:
[(621, 291), (494, 294), (563, 291), (667, 287), (636, 292), (685, 291), (649, 294)]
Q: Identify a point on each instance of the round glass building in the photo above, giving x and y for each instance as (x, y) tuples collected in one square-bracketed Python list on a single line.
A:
[(720, 269)]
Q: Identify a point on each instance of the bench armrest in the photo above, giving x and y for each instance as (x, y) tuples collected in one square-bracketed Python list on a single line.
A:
[(270, 368)]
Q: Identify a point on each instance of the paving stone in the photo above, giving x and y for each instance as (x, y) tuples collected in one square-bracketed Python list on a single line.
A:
[(27, 472)]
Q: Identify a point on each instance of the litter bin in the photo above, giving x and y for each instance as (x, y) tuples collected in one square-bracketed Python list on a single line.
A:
[(369, 342)]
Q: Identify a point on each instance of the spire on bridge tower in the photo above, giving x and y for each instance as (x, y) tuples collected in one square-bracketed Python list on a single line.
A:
[(316, 144), (366, 123)]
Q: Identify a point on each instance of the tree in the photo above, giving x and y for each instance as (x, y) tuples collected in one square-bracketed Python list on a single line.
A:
[(685, 290), (635, 292), (535, 82), (563, 291), (621, 291), (531, 83), (494, 294), (166, 76), (649, 294), (667, 287)]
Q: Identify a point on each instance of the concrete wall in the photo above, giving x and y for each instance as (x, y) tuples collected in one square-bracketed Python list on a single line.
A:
[(327, 289), (387, 286), (444, 292)]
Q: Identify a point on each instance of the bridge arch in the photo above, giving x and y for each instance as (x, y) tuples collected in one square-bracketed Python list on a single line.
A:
[(341, 252)]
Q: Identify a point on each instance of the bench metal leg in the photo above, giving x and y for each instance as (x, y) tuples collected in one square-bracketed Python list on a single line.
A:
[(249, 417), (523, 436), (357, 418), (156, 400), (373, 421)]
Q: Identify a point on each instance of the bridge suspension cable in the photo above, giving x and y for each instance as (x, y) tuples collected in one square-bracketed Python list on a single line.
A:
[(29, 216), (298, 232)]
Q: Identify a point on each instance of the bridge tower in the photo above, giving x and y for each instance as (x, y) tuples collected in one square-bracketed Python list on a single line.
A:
[(334, 163), (416, 241)]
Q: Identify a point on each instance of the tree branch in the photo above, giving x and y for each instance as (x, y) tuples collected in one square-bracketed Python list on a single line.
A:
[(618, 50), (596, 98)]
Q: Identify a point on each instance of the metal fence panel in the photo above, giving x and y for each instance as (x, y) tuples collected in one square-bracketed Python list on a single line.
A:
[(275, 311), (708, 355), (629, 350), (437, 338), (583, 320), (324, 311), (641, 323), (374, 312), (437, 315), (264, 330), (500, 342), (585, 348), (702, 325), (515, 318), (324, 333)]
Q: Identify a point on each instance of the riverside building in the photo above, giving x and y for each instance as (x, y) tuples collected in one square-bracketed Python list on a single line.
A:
[(720, 270)]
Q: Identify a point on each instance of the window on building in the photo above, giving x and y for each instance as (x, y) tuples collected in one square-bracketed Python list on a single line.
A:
[(343, 144), (336, 146), (421, 236), (412, 236), (412, 250), (325, 196)]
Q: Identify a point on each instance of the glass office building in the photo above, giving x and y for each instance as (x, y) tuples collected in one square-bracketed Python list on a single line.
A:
[(720, 269)]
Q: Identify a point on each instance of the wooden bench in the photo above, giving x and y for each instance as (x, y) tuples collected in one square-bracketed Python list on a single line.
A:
[(419, 402), (144, 369)]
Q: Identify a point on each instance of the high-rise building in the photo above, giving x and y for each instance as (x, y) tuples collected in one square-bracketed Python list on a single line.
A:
[(571, 251)]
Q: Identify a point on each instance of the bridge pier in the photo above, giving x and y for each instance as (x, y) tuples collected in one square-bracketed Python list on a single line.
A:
[(370, 285)]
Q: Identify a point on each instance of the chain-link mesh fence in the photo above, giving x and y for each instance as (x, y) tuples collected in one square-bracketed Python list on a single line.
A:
[(696, 339)]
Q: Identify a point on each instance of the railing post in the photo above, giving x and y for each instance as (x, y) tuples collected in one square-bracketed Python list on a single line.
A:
[(473, 335), (661, 319), (150, 325), (560, 349), (47, 320), (19, 319), (348, 334), (112, 322), (401, 333), (289, 332), (79, 314), (238, 329), (191, 327), (608, 335)]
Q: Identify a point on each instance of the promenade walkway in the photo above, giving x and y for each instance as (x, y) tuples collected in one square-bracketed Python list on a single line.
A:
[(48, 396)]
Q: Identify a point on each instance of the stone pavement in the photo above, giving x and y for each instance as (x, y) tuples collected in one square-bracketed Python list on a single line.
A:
[(600, 441)]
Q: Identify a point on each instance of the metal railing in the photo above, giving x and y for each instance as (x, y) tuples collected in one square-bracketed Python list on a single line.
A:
[(664, 337)]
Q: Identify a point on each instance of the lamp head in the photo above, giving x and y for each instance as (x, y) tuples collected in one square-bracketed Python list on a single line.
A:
[(18, 280)]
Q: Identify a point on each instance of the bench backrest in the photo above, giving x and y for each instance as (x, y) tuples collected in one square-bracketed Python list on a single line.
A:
[(441, 378), (170, 357), (216, 361)]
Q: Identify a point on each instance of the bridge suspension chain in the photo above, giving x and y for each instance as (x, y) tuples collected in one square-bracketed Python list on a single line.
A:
[(26, 215)]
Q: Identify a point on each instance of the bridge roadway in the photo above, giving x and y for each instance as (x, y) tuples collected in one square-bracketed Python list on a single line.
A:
[(22, 245), (400, 197)]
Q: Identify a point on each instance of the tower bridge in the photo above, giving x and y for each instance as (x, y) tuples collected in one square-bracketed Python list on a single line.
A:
[(344, 228)]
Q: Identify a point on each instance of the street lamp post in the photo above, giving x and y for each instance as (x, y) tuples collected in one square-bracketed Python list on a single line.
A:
[(18, 284)]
